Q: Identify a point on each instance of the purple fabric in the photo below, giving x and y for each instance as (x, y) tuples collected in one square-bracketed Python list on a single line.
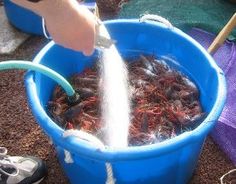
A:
[(224, 133)]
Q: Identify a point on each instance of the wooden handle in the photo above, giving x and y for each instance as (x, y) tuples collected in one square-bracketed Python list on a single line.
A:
[(221, 37)]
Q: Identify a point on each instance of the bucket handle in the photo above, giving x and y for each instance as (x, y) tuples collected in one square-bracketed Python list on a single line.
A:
[(85, 137), (157, 18), (90, 139), (82, 136)]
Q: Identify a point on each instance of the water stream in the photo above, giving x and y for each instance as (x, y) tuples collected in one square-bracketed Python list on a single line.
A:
[(115, 96)]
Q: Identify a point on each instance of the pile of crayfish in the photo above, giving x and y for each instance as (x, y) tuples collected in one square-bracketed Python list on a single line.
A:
[(164, 102)]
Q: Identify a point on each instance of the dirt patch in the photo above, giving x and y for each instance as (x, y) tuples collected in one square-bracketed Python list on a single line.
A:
[(21, 134), (19, 131), (109, 9)]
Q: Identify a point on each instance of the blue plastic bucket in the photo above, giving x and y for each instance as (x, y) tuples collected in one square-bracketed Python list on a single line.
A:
[(26, 20), (170, 162)]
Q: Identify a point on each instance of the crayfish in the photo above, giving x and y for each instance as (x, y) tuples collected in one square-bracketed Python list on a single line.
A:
[(165, 103)]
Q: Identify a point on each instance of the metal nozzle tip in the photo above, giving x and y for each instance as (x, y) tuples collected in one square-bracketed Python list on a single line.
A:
[(103, 42)]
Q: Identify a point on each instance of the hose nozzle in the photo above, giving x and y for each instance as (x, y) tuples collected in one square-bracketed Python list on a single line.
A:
[(103, 41)]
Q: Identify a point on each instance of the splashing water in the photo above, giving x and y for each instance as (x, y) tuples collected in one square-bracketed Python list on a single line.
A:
[(115, 99)]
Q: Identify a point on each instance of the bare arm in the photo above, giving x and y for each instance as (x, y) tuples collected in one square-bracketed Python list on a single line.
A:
[(69, 23)]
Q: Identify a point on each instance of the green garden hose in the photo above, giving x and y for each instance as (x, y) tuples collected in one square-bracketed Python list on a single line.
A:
[(18, 64)]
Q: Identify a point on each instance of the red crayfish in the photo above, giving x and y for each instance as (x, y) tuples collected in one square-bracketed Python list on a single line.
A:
[(164, 102)]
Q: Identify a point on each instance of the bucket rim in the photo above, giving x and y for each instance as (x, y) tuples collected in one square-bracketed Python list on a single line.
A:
[(136, 152)]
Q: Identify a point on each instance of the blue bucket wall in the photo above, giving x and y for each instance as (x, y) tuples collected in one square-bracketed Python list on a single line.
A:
[(23, 19), (26, 20), (170, 162)]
